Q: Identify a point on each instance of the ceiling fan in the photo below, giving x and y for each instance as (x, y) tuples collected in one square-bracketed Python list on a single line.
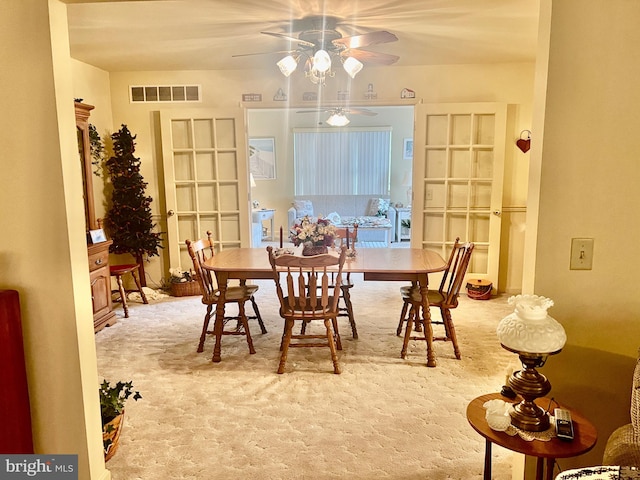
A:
[(337, 115), (318, 44)]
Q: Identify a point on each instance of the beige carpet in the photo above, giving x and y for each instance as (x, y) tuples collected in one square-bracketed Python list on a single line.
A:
[(382, 418)]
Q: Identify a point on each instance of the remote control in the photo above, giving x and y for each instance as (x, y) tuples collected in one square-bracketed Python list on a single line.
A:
[(564, 425)]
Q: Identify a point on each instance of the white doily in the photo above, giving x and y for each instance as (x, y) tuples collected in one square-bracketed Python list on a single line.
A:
[(500, 407)]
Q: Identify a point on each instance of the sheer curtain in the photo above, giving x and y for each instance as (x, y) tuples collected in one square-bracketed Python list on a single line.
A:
[(349, 161)]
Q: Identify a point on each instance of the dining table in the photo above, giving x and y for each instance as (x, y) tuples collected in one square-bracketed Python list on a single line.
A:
[(376, 264)]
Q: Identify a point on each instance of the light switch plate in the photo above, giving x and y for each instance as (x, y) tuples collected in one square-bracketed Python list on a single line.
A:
[(581, 254)]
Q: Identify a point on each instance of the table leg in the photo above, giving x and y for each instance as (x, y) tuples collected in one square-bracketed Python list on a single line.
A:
[(539, 468), (487, 460), (218, 326), (550, 462), (428, 328)]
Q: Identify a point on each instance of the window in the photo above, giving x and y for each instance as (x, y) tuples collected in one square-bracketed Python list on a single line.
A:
[(349, 161)]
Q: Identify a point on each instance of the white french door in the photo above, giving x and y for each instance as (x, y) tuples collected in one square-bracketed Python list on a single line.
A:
[(205, 179), (458, 169)]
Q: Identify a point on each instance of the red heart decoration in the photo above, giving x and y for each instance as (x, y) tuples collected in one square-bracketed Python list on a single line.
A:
[(523, 144)]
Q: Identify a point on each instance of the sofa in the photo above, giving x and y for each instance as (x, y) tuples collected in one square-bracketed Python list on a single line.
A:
[(623, 445), (375, 217)]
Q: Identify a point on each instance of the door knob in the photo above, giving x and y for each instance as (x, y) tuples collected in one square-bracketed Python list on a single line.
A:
[(497, 213), (171, 213)]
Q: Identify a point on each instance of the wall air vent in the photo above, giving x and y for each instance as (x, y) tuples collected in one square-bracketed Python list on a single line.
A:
[(164, 93)]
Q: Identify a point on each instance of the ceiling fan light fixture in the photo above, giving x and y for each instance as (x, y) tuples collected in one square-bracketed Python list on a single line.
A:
[(321, 61), (288, 65), (338, 120), (352, 66)]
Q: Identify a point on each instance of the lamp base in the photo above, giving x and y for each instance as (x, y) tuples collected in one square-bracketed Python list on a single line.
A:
[(529, 417)]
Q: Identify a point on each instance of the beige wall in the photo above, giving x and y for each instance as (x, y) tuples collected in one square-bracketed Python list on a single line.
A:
[(511, 84), (589, 170), (43, 247)]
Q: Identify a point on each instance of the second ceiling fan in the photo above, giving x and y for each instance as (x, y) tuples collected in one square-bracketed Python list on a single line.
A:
[(338, 115)]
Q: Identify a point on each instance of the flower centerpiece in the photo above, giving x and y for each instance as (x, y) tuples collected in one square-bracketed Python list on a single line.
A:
[(314, 236)]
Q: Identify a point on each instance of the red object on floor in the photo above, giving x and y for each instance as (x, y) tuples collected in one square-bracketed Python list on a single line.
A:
[(15, 414)]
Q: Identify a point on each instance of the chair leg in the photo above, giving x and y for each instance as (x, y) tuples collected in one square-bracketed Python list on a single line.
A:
[(336, 333), (142, 294), (205, 326), (451, 330), (346, 296), (403, 314), (257, 312), (245, 324), (332, 346), (407, 332), (123, 295), (288, 329)]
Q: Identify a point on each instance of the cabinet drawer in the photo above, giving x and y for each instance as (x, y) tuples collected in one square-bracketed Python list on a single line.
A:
[(98, 260)]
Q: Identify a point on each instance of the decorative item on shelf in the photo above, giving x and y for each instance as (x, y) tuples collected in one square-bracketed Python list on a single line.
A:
[(406, 93), (343, 95), (280, 96), (315, 237), (251, 97), (112, 402), (531, 333), (184, 284), (370, 94), (524, 144)]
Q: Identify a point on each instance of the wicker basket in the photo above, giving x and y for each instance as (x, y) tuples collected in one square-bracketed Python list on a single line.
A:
[(111, 436), (479, 289), (186, 289)]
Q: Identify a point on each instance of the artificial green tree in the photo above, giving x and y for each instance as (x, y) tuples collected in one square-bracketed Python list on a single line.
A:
[(128, 220)]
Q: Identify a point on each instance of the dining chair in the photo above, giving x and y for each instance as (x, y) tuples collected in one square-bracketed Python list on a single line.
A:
[(200, 251), (445, 298), (346, 284), (406, 305), (302, 300)]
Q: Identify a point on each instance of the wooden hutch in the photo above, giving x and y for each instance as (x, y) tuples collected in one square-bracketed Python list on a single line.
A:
[(103, 314)]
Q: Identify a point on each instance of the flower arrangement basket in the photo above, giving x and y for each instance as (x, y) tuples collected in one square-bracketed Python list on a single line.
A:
[(309, 250), (186, 289)]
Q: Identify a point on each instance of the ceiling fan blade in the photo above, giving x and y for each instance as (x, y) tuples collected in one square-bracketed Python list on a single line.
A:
[(366, 39), (370, 57), (360, 111), (264, 53), (290, 38), (314, 111)]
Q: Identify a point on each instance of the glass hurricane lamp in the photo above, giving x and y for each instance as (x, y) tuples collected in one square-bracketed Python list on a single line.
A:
[(532, 334)]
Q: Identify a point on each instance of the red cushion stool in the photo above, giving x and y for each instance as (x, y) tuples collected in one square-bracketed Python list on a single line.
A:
[(118, 271)]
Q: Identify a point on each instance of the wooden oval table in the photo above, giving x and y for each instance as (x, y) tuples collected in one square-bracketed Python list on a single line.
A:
[(585, 437)]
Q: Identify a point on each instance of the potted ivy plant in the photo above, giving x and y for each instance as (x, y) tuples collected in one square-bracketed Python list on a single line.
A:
[(112, 401)]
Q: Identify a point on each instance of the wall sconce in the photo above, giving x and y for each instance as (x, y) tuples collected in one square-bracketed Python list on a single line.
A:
[(524, 144)]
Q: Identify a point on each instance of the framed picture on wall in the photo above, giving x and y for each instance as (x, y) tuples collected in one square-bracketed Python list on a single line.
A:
[(262, 158), (407, 152)]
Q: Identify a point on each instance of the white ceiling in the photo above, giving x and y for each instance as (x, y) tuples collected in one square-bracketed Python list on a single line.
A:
[(148, 35)]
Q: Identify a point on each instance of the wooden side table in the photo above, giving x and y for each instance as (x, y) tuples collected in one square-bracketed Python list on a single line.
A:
[(585, 437)]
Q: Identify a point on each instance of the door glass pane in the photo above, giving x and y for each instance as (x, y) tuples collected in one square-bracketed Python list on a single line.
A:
[(480, 195), (434, 195), (207, 197), (229, 197), (185, 198), (205, 165), (461, 129), (185, 260), (436, 130), (230, 225), (479, 262), (225, 133), (457, 226), (203, 130), (435, 164), (460, 164), (458, 195), (484, 164), (485, 133), (183, 166), (432, 227), (187, 228), (181, 133), (210, 223), (227, 166), (479, 227)]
